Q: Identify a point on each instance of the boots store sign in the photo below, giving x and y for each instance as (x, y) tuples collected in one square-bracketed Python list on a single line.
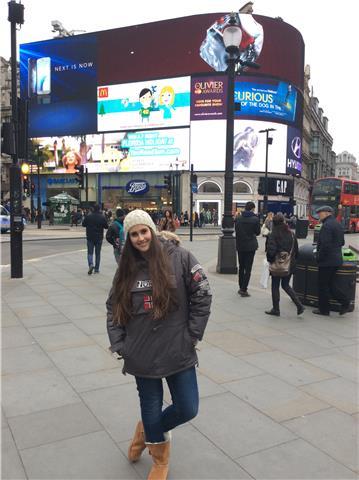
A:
[(137, 187)]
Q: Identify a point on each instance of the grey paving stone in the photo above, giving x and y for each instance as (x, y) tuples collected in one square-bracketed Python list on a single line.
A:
[(292, 370), (297, 460), (339, 364), (25, 393), (11, 465), (208, 387), (320, 337), (74, 361), (337, 392), (296, 347), (100, 379), (64, 298), (4, 423), (117, 408), (351, 351), (16, 336), (213, 463), (102, 340), (333, 432), (75, 312), (58, 337), (8, 317), (251, 329), (52, 288), (237, 428), (30, 322), (28, 311), (344, 326), (234, 343), (52, 425), (93, 325), (274, 397), (222, 367), (91, 456), (24, 359)]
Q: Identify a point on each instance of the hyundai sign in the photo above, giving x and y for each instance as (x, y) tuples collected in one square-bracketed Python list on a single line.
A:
[(137, 187), (294, 151)]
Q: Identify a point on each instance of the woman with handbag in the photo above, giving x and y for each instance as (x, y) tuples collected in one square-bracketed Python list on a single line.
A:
[(157, 312), (267, 225), (282, 250)]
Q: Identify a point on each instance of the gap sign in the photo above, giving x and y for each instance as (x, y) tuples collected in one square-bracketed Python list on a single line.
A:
[(277, 186)]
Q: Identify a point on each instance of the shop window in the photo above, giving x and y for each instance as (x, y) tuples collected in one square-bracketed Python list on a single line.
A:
[(209, 187), (241, 187)]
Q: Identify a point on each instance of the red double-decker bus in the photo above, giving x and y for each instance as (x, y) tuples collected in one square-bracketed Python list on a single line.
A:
[(340, 194)]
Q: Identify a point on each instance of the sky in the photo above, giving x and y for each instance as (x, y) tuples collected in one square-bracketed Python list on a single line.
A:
[(328, 31)]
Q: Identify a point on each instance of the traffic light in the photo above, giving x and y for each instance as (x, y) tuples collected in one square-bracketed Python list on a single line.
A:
[(25, 184), (168, 182), (80, 172), (8, 138)]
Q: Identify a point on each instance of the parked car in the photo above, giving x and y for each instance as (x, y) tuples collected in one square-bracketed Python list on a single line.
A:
[(5, 219)]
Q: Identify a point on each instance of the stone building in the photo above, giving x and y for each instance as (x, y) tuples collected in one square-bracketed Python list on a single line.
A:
[(346, 166)]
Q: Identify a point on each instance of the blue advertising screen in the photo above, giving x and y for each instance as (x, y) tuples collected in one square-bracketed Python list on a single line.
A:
[(275, 101), (59, 78)]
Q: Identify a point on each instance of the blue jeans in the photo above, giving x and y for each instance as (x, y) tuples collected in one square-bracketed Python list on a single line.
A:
[(184, 392), (91, 245)]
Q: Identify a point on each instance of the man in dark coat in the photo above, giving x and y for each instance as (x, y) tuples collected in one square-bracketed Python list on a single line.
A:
[(329, 259), (95, 224), (247, 229)]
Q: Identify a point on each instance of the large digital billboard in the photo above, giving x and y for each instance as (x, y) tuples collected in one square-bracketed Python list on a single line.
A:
[(59, 78), (275, 100), (142, 151), (249, 153), (150, 104)]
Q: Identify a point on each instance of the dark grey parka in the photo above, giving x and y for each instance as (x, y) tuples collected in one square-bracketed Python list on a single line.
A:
[(160, 348)]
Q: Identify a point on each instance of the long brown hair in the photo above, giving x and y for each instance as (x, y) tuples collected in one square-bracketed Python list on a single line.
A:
[(159, 267)]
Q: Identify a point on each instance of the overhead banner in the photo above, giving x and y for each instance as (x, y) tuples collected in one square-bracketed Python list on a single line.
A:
[(272, 101), (209, 98), (143, 105)]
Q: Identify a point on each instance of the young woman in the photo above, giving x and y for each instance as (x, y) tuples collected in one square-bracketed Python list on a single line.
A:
[(167, 223), (281, 239), (158, 309)]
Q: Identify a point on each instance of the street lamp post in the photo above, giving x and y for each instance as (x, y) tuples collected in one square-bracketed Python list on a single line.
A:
[(39, 210), (227, 261), (269, 141)]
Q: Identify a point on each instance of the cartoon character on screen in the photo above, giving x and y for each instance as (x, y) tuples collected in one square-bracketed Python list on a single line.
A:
[(166, 101), (147, 104), (71, 160)]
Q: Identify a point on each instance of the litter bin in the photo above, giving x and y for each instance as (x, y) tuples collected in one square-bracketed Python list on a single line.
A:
[(305, 280), (301, 228), (316, 232)]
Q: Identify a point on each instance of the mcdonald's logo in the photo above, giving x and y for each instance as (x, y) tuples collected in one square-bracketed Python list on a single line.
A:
[(103, 92)]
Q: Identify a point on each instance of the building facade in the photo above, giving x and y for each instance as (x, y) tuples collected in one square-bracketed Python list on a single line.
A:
[(5, 82), (346, 166)]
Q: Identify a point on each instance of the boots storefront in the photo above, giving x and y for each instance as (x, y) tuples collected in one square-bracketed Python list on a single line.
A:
[(146, 190)]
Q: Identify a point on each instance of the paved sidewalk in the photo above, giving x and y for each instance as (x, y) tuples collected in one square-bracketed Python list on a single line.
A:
[(279, 397)]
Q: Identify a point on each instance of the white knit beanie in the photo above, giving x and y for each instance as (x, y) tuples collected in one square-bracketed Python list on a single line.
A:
[(138, 217)]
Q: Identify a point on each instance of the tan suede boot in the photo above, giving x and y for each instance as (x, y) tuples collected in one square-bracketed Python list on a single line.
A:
[(160, 456), (138, 444)]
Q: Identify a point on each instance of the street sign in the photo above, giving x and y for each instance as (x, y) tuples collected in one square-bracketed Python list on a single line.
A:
[(194, 187)]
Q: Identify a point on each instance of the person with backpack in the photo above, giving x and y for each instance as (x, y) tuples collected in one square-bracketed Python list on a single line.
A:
[(282, 250), (157, 312), (115, 234)]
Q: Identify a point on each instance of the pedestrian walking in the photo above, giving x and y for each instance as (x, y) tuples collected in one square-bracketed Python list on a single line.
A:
[(95, 224), (247, 229), (115, 234), (167, 223), (74, 218), (329, 259), (157, 311), (282, 251)]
